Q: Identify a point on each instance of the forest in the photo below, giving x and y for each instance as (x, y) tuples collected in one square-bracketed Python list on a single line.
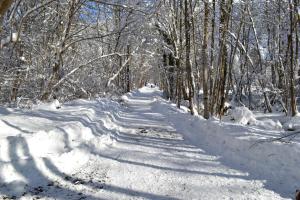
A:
[(208, 53), (92, 81)]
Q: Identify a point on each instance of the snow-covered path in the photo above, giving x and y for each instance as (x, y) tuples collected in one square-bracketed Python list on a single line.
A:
[(145, 157), (153, 161)]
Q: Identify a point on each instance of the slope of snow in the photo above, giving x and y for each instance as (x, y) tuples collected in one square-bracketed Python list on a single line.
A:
[(145, 149), (246, 148)]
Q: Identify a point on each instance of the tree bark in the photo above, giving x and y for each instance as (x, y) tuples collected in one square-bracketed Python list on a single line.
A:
[(292, 76), (189, 72), (205, 62)]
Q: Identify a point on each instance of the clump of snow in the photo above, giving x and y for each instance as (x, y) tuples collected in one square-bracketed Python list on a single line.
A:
[(14, 37), (77, 133), (269, 124), (54, 105), (292, 124), (150, 85), (125, 98), (242, 115)]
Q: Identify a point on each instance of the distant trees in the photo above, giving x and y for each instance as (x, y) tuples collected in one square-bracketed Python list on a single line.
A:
[(206, 54), (254, 63), (69, 48)]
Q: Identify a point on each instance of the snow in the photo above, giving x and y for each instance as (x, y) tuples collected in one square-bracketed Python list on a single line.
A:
[(145, 149), (269, 124), (50, 105), (242, 115), (14, 37), (293, 123), (11, 38)]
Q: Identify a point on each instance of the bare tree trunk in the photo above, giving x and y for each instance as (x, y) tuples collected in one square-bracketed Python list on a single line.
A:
[(212, 53), (178, 63), (225, 17), (59, 53), (262, 81), (205, 62), (128, 81), (189, 72), (197, 78), (292, 81)]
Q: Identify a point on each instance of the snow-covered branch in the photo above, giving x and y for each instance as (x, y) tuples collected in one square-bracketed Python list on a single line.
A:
[(83, 66)]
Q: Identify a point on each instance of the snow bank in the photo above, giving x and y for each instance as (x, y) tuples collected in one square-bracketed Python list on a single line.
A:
[(240, 146), (35, 142)]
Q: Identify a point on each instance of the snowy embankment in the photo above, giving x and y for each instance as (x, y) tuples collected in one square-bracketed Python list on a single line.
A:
[(245, 147), (147, 149), (45, 144), (243, 144)]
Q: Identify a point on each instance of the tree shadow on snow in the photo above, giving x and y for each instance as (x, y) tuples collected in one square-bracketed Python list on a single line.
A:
[(35, 184), (226, 160), (173, 169), (15, 127)]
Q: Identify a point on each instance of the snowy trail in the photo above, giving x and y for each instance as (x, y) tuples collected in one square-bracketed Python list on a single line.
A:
[(145, 157), (153, 161)]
